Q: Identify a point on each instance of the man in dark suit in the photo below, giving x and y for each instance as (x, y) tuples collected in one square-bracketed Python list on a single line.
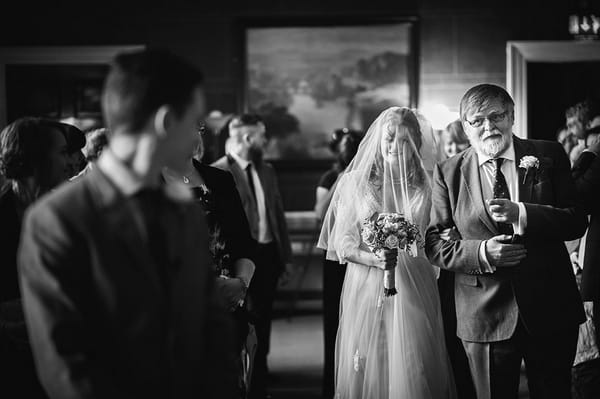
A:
[(256, 182), (586, 173), (513, 202), (115, 269)]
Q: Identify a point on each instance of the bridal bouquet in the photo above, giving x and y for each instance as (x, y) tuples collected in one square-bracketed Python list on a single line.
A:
[(390, 230)]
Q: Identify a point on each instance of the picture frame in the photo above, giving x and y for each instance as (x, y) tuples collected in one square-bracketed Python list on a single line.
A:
[(308, 77)]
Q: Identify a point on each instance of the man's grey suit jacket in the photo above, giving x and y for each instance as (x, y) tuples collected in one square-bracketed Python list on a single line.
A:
[(541, 290)]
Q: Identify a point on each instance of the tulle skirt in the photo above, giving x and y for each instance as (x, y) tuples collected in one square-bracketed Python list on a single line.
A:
[(392, 347)]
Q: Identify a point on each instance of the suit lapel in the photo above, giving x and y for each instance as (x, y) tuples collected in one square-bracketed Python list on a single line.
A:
[(470, 172), (526, 178), (242, 182)]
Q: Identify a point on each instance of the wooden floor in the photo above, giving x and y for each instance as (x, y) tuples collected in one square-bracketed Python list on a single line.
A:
[(296, 359)]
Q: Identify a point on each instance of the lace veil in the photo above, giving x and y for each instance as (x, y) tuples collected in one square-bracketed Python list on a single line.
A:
[(389, 173)]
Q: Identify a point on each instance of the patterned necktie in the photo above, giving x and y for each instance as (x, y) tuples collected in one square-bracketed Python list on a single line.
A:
[(251, 180), (501, 191)]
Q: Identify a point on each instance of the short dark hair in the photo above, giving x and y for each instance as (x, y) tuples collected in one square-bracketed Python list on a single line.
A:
[(479, 96), (22, 146), (141, 82), (245, 120)]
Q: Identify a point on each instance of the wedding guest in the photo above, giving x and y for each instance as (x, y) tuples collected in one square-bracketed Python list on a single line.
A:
[(344, 144), (586, 370), (33, 159), (75, 142), (578, 122), (454, 139), (257, 185), (231, 246), (115, 268)]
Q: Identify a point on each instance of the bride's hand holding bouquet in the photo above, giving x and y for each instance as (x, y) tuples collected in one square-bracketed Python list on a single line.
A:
[(385, 234)]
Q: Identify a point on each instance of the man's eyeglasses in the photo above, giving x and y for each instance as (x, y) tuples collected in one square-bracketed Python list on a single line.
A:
[(201, 129), (493, 118)]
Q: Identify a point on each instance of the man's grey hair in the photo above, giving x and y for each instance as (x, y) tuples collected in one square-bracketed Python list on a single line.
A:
[(481, 95)]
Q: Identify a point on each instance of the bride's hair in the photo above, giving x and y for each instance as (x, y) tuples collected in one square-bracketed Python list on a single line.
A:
[(406, 118)]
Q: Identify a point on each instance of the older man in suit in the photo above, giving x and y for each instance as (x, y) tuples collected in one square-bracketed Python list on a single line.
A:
[(257, 184), (513, 203), (115, 268)]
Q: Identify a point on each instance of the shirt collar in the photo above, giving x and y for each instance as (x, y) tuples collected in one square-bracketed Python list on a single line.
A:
[(509, 154), (241, 162), (129, 183)]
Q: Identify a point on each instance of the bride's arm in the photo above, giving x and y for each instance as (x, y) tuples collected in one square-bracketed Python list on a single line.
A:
[(352, 252), (367, 258)]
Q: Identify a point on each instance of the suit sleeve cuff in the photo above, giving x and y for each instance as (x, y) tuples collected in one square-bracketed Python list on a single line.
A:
[(521, 225), (485, 265)]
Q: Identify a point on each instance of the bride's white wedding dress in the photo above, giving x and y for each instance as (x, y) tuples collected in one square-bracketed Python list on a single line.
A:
[(387, 347), (392, 347)]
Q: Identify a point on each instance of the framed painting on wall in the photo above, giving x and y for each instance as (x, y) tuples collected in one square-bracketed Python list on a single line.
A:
[(307, 79)]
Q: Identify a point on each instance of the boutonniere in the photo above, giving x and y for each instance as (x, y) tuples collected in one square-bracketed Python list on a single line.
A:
[(528, 162)]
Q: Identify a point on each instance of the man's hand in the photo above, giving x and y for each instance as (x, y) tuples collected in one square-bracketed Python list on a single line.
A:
[(588, 306), (503, 210), (233, 290), (388, 257), (501, 254), (595, 146), (287, 275)]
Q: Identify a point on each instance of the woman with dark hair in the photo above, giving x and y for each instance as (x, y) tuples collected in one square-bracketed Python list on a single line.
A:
[(231, 245), (344, 144), (33, 160)]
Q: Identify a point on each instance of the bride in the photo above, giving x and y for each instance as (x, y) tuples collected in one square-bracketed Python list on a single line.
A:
[(387, 346)]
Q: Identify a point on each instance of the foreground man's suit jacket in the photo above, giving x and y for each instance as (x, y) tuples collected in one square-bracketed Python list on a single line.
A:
[(541, 289), (102, 322)]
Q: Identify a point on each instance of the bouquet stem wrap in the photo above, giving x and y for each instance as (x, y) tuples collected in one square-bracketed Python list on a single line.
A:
[(389, 282)]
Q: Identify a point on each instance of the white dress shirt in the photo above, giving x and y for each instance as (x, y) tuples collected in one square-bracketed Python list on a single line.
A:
[(264, 232), (487, 171)]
